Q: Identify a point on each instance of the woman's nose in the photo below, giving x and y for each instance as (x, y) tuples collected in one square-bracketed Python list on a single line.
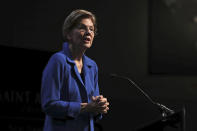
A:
[(88, 32)]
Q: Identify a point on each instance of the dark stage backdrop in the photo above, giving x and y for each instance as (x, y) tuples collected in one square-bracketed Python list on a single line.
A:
[(172, 37), (21, 71)]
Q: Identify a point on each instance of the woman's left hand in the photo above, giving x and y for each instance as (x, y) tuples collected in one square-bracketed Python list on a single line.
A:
[(102, 102)]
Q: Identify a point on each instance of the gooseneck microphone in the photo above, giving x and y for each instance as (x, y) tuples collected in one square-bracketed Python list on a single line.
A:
[(164, 110)]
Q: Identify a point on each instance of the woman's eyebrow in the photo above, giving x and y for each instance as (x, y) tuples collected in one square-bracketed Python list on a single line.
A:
[(86, 25)]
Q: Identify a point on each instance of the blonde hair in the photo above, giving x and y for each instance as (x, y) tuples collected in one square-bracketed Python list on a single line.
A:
[(74, 18)]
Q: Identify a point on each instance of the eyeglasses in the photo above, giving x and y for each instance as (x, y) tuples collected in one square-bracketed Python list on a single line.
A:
[(84, 28)]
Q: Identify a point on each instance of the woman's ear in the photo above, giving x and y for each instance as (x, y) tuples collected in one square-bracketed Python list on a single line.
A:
[(68, 36)]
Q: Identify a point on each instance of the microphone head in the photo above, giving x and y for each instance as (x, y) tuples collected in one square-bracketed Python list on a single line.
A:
[(113, 75), (164, 109)]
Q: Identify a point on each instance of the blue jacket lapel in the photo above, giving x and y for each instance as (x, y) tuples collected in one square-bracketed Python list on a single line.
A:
[(78, 75)]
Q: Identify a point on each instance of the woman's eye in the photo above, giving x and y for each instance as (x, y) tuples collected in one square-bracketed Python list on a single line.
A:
[(80, 27), (84, 28), (92, 29)]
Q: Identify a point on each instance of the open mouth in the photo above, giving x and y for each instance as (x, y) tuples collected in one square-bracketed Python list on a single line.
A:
[(86, 39)]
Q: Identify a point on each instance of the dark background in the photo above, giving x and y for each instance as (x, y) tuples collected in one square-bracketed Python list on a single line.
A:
[(152, 42)]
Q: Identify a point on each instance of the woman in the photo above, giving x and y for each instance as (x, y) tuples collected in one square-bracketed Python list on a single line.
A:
[(70, 93)]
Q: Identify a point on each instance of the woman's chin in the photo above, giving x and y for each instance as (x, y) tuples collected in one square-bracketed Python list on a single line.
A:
[(87, 45)]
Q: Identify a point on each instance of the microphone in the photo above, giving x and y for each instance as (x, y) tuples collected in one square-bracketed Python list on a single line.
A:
[(163, 109)]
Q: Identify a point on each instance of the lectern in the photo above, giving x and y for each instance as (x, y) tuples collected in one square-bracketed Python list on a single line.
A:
[(169, 118), (175, 121)]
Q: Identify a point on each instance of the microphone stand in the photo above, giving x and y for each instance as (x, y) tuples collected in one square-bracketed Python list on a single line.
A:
[(165, 111)]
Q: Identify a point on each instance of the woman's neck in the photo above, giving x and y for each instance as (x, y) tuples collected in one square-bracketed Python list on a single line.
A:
[(76, 52), (77, 55)]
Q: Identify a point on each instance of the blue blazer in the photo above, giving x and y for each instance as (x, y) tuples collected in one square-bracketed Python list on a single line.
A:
[(63, 90)]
